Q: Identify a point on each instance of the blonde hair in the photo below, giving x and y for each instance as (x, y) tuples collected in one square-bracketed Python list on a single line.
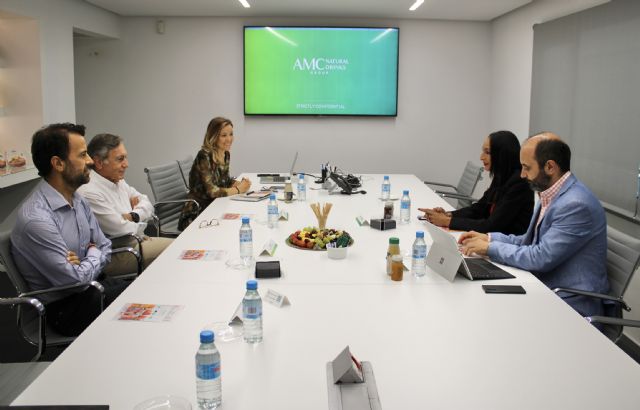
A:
[(213, 132)]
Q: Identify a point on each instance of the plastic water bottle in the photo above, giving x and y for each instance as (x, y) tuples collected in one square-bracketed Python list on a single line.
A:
[(419, 255), (272, 212), (252, 313), (302, 188), (246, 240), (208, 375), (405, 208), (386, 188)]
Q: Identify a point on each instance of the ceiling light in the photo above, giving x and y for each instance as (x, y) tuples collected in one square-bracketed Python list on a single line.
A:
[(246, 5), (415, 5)]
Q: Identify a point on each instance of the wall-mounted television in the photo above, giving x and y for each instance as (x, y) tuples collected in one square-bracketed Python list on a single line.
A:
[(320, 71)]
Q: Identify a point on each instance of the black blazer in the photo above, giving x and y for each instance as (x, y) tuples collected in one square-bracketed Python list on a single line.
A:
[(511, 214)]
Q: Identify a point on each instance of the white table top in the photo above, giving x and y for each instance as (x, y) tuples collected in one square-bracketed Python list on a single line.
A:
[(432, 344)]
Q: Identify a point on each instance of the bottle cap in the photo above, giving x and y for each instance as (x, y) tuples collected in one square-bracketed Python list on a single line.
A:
[(386, 177), (245, 219), (272, 196), (206, 336), (394, 241), (252, 284), (405, 192), (419, 234)]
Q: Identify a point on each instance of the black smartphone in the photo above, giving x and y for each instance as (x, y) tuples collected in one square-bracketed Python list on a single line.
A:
[(512, 289)]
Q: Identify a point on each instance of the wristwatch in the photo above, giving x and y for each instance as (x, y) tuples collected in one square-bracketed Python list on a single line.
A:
[(135, 217)]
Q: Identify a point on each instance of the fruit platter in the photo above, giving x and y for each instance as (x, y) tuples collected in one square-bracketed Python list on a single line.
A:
[(312, 238)]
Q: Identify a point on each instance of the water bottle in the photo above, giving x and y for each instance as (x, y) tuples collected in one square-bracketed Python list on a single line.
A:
[(246, 240), (208, 375), (419, 255), (252, 313), (272, 212), (302, 188), (386, 188), (405, 208)]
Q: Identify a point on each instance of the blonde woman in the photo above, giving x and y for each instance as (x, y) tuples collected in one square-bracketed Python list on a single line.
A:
[(209, 177)]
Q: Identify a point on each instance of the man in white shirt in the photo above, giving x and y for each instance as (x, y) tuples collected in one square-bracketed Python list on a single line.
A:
[(119, 208)]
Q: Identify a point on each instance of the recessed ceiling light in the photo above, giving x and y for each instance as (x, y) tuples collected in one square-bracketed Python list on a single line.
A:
[(415, 5), (246, 5)]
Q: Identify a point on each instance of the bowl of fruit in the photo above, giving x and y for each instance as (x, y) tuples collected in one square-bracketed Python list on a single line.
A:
[(312, 238)]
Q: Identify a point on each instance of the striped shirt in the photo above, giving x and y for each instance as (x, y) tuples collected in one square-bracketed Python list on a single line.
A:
[(547, 195), (48, 228)]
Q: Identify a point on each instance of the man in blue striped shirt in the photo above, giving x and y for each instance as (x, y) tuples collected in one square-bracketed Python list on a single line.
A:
[(57, 240)]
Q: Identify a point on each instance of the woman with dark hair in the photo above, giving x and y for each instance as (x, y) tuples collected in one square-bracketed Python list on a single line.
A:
[(508, 203), (209, 177)]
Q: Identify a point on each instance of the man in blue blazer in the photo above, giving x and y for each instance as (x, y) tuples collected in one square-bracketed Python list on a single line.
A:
[(566, 242)]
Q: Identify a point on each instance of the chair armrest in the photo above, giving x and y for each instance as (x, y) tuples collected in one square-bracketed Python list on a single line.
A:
[(439, 184), (137, 238), (156, 220), (605, 320), (456, 196), (596, 295), (178, 201), (93, 283), (38, 306), (42, 319), (135, 253)]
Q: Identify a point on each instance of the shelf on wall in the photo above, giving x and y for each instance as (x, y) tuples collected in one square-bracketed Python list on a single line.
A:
[(14, 178)]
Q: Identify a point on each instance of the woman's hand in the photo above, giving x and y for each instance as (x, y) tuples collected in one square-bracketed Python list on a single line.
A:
[(243, 186), (437, 216)]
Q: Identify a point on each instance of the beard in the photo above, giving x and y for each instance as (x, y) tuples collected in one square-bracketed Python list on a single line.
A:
[(540, 183), (75, 180)]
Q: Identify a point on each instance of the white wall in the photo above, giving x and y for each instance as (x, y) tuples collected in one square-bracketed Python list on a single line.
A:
[(20, 87), (160, 91), (56, 20)]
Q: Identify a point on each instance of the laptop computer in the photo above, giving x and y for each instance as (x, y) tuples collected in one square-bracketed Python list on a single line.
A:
[(446, 260), (277, 178)]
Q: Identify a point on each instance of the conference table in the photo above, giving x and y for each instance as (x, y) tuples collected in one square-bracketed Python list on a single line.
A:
[(433, 344)]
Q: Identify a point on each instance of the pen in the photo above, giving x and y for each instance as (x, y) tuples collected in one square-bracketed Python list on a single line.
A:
[(249, 193)]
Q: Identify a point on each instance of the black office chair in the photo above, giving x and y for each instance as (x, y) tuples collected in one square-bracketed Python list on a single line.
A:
[(170, 193), (623, 259), (466, 185), (30, 311)]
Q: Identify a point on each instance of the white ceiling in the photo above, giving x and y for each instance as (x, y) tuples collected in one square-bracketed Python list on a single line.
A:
[(480, 10)]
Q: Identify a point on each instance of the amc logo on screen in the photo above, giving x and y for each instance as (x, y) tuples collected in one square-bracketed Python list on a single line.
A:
[(320, 66)]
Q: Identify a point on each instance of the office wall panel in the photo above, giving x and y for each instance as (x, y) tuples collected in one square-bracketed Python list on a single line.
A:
[(586, 87)]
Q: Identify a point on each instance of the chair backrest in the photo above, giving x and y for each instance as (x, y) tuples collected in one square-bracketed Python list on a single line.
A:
[(167, 184), (7, 261), (623, 258), (469, 179), (185, 167)]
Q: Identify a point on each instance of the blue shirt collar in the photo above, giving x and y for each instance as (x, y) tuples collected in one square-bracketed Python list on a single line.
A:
[(55, 198)]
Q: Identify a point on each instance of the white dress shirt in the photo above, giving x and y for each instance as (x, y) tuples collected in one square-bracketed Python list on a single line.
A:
[(109, 201)]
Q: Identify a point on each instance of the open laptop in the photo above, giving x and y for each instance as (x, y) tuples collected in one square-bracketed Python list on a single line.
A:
[(446, 260), (277, 178)]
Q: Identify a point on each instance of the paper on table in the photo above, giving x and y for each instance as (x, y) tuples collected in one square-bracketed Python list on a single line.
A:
[(145, 312), (202, 254)]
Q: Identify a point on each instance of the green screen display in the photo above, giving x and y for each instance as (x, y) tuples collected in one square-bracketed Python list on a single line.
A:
[(320, 71)]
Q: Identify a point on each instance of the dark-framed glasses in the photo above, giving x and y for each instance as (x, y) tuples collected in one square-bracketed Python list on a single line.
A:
[(209, 223)]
